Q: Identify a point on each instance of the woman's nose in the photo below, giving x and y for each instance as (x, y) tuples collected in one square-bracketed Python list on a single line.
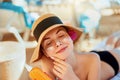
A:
[(58, 43)]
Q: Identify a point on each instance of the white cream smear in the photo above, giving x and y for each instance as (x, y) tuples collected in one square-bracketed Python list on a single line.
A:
[(50, 48)]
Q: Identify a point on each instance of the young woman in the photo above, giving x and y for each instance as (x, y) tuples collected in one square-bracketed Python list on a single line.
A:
[(56, 56)]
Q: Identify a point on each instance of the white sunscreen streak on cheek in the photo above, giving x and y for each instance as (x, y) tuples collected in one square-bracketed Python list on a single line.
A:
[(66, 39), (50, 48)]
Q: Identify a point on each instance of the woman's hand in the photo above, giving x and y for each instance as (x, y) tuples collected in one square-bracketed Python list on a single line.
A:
[(63, 70)]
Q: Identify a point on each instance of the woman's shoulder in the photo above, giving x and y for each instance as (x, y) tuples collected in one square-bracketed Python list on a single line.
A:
[(88, 55), (86, 62)]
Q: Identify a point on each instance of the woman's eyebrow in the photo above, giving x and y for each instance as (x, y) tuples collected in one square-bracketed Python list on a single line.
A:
[(46, 38)]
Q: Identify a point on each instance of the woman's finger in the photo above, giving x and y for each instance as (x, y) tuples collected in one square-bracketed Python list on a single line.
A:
[(60, 61), (59, 65), (57, 73), (59, 69)]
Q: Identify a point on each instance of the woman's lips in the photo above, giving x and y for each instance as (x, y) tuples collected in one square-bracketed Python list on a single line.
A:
[(61, 50)]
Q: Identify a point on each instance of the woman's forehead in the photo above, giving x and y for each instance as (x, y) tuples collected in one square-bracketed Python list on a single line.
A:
[(55, 30)]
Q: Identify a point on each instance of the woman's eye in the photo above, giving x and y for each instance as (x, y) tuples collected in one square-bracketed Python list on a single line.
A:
[(61, 36), (49, 43)]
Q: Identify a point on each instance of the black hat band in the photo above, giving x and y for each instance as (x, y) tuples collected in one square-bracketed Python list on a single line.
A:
[(46, 23)]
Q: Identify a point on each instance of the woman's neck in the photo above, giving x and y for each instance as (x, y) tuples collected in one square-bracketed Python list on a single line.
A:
[(72, 60), (46, 61)]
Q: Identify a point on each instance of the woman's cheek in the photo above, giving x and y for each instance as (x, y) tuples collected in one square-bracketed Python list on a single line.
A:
[(50, 51), (67, 39), (50, 48), (69, 42)]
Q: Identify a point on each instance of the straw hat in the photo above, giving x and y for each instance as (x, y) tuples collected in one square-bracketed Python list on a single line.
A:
[(43, 25)]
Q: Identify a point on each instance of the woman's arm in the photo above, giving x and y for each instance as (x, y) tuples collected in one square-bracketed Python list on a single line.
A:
[(94, 67)]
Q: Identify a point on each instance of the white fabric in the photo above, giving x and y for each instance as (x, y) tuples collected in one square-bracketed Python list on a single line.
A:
[(117, 77)]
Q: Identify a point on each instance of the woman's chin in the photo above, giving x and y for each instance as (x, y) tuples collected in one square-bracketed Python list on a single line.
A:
[(64, 57)]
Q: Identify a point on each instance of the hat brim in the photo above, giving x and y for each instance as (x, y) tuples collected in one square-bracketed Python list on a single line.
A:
[(36, 52)]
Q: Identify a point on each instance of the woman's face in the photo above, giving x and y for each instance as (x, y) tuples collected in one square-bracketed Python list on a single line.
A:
[(57, 43)]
